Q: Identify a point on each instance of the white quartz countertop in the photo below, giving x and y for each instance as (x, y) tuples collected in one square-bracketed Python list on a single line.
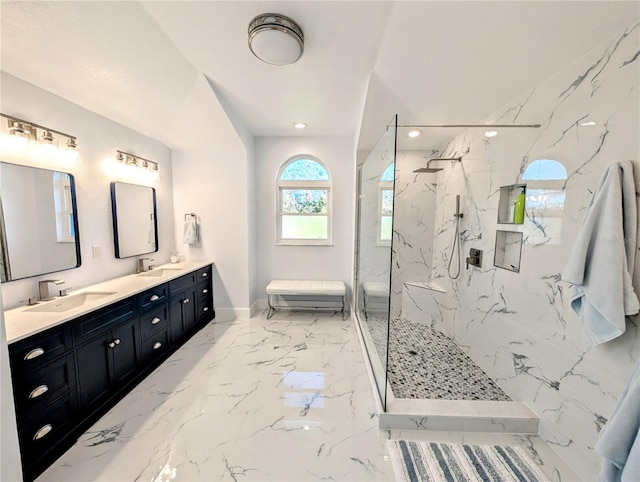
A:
[(23, 322)]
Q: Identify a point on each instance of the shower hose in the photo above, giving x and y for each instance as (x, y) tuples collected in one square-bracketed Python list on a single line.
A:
[(456, 243)]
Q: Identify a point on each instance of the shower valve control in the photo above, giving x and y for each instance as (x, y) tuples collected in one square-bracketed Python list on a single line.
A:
[(474, 258)]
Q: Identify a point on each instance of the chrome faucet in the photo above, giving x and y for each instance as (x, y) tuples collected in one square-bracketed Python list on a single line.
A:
[(43, 287), (144, 264)]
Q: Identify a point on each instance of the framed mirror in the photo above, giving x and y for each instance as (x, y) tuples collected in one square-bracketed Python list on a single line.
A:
[(38, 222), (135, 227)]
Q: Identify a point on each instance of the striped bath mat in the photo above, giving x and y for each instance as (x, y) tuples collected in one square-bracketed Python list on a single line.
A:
[(438, 462)]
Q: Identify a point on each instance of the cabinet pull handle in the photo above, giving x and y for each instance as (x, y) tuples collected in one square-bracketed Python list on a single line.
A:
[(204, 275), (43, 431), (112, 345), (157, 345), (206, 308), (36, 392), (35, 353), (154, 298), (185, 301), (117, 341), (205, 291), (155, 321)]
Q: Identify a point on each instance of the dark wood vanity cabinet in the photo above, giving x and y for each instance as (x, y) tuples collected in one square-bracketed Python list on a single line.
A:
[(68, 376), (105, 363)]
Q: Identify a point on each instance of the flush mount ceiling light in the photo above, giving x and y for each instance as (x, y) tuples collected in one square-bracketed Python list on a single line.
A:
[(275, 39), (491, 133), (414, 133), (300, 125)]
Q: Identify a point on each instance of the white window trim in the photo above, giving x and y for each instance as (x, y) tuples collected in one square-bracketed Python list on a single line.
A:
[(311, 185), (383, 186)]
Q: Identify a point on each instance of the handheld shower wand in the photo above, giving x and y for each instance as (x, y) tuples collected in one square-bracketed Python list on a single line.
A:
[(456, 242)]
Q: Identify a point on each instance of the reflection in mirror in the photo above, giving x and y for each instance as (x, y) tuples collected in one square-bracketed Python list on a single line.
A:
[(135, 227), (38, 222)]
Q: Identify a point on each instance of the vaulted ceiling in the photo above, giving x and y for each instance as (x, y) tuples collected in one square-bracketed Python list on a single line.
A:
[(428, 61)]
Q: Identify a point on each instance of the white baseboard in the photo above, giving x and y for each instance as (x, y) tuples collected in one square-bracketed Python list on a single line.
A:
[(256, 308)]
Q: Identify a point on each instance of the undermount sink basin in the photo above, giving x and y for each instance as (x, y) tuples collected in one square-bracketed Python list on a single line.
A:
[(66, 303), (160, 271)]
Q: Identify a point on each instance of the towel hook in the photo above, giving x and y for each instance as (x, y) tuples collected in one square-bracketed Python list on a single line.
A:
[(186, 216)]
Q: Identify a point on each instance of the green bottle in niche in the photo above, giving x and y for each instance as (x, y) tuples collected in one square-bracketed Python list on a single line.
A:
[(518, 214)]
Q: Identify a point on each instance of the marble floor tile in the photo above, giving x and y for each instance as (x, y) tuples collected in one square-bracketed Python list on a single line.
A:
[(286, 399), (281, 399)]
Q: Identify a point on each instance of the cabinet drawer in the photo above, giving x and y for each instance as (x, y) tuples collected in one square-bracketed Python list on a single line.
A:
[(153, 321), (33, 352), (156, 344), (182, 283), (203, 274), (103, 320), (41, 431), (35, 390), (153, 297)]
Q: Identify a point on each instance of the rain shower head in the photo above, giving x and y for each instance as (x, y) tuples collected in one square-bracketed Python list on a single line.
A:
[(430, 169)]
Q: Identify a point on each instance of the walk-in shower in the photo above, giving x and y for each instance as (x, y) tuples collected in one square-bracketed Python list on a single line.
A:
[(412, 357)]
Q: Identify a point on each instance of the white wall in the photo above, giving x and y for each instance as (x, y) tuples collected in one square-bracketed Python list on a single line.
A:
[(10, 468), (98, 139), (211, 169), (304, 262)]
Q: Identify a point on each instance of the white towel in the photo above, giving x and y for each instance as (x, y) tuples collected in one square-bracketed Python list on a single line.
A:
[(619, 440), (190, 232), (601, 263)]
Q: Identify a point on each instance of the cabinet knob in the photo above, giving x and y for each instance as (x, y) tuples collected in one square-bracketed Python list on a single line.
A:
[(35, 353), (206, 308), (185, 301), (155, 321), (112, 345), (154, 298), (36, 392), (117, 341), (43, 431), (157, 345), (204, 275), (205, 291)]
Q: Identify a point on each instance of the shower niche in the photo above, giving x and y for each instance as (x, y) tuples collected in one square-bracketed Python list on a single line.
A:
[(511, 206), (508, 250)]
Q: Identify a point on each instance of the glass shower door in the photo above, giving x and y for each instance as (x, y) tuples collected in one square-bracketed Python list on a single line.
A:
[(374, 246)]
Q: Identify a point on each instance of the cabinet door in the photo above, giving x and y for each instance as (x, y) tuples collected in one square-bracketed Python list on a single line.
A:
[(182, 312), (124, 353), (189, 306), (175, 317), (93, 371)]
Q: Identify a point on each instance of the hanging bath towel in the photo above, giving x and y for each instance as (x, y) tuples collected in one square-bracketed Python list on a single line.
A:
[(600, 266), (190, 233)]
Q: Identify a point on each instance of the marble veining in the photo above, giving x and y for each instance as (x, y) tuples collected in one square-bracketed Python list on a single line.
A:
[(519, 327), (281, 399)]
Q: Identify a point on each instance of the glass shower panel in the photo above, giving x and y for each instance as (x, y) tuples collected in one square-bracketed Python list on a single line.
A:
[(373, 272)]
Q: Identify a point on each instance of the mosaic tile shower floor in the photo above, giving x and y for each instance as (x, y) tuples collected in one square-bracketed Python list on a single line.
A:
[(426, 364)]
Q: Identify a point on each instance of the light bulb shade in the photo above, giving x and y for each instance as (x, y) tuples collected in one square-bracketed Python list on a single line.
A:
[(276, 39)]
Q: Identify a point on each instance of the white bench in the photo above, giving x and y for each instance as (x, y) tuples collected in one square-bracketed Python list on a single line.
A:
[(281, 287), (374, 289)]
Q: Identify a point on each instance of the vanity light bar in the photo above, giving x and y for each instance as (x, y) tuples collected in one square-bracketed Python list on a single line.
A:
[(129, 159), (24, 128)]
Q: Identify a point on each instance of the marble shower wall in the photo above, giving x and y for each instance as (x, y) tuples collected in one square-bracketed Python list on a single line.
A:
[(519, 327), (413, 224)]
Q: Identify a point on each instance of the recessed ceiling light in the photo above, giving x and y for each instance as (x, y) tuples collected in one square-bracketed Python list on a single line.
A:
[(491, 133), (590, 123), (299, 125), (414, 133)]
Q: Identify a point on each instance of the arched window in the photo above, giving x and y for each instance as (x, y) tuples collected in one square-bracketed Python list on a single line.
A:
[(545, 180), (303, 202), (385, 206)]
